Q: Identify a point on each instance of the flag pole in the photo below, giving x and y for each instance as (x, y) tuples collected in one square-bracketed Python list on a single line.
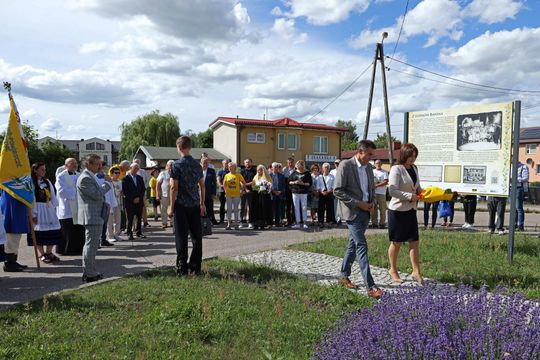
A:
[(7, 86), (31, 225)]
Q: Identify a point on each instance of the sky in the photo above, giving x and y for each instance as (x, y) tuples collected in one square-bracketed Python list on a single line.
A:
[(81, 68)]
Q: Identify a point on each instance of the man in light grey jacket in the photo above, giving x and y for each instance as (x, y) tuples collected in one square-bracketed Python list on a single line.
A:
[(92, 211), (354, 188)]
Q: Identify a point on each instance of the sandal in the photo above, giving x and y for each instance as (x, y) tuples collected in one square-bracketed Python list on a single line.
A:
[(52, 257), (45, 259)]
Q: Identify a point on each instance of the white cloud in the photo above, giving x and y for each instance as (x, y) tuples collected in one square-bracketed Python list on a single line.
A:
[(276, 11), (493, 11), (434, 18), (51, 125), (286, 29), (210, 20), (324, 12)]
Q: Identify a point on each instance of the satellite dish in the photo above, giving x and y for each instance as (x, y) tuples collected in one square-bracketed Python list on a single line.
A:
[(529, 161)]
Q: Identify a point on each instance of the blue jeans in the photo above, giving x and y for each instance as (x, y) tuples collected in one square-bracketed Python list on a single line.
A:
[(519, 207), (358, 248)]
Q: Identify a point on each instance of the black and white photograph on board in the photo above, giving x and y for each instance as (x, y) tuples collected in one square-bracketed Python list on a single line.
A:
[(474, 174), (480, 131)]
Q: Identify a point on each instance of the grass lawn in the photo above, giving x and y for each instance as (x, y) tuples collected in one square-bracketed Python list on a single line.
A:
[(235, 311), (455, 256)]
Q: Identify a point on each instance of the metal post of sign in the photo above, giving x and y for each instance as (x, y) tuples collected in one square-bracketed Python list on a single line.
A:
[(513, 187)]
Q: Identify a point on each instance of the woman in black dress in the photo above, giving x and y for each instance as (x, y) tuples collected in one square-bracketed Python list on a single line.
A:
[(404, 187)]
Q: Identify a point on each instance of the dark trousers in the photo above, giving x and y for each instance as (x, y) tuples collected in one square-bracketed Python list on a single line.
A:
[(435, 207), (134, 210), (246, 201), (222, 202), (289, 207), (123, 219), (104, 230), (469, 206), (451, 204), (73, 238), (326, 206), (209, 205), (188, 221), (496, 205), (276, 210)]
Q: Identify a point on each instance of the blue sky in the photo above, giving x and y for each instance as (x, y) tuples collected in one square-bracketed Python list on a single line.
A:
[(81, 68)]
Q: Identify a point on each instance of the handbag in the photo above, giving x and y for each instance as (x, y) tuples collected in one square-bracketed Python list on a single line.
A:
[(206, 226)]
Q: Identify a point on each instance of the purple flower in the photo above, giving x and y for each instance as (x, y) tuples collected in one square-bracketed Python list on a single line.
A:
[(438, 322)]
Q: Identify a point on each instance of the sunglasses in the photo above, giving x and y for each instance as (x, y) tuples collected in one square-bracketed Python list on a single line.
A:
[(116, 172)]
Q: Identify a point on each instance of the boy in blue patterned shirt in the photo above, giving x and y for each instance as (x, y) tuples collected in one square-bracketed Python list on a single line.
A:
[(187, 206)]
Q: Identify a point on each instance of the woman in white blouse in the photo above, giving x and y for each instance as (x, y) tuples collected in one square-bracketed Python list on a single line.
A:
[(404, 187)]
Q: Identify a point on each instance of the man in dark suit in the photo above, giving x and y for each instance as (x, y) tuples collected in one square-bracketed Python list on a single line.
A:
[(210, 185), (279, 186), (133, 188)]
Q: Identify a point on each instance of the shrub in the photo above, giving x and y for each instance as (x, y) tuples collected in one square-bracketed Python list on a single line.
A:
[(438, 322)]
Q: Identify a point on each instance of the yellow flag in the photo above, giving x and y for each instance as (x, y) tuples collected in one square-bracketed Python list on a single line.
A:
[(15, 176)]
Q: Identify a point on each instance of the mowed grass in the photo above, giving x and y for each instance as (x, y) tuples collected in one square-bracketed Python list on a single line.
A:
[(235, 311), (455, 257)]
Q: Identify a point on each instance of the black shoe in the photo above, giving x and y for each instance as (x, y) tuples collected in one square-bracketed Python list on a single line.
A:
[(12, 267), (106, 243), (141, 236), (521, 228), (89, 279), (146, 224), (215, 223)]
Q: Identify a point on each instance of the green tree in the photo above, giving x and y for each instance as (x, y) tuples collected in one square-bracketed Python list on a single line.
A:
[(54, 155), (349, 140), (382, 141), (152, 129), (204, 139)]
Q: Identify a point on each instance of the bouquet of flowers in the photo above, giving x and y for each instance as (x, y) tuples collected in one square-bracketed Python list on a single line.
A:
[(263, 187)]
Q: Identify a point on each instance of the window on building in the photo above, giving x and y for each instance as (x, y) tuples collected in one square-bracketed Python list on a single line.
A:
[(538, 169), (106, 158), (530, 148), (292, 142), (257, 138), (320, 144), (91, 146), (281, 141), (100, 146)]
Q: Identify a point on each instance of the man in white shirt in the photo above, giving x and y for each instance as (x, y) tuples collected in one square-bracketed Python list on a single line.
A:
[(333, 173), (163, 187), (381, 182)]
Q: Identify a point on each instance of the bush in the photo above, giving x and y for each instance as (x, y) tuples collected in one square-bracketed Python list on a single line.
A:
[(438, 322)]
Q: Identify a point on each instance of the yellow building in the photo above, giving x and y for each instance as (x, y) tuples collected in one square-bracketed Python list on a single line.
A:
[(266, 141)]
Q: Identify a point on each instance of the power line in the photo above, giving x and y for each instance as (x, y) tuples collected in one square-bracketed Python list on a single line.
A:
[(450, 84), (343, 92), (400, 30), (463, 81)]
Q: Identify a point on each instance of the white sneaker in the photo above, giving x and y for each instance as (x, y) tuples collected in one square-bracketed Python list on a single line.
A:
[(501, 232), (241, 226), (112, 240), (466, 226), (305, 226), (471, 227), (295, 226), (250, 226)]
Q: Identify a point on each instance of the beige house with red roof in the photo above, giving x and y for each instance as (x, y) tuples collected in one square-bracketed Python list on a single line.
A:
[(266, 141)]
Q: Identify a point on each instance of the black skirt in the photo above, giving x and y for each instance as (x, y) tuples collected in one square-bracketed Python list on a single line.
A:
[(402, 226)]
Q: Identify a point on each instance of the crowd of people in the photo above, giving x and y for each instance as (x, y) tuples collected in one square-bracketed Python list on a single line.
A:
[(82, 211)]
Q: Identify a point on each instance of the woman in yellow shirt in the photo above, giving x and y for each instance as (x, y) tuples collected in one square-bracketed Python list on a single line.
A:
[(231, 183), (153, 191)]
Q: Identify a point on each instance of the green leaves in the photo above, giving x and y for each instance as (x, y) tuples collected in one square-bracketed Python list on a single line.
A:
[(152, 129)]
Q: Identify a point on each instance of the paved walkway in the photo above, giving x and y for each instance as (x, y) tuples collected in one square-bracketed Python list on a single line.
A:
[(323, 269), (158, 250)]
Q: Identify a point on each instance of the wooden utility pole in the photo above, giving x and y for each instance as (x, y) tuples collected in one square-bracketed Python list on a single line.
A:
[(379, 56)]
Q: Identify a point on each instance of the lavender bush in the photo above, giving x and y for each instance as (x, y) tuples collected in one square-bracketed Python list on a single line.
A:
[(438, 322)]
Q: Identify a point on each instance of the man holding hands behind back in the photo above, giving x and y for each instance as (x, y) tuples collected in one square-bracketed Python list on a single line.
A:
[(354, 188), (91, 213), (187, 206)]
